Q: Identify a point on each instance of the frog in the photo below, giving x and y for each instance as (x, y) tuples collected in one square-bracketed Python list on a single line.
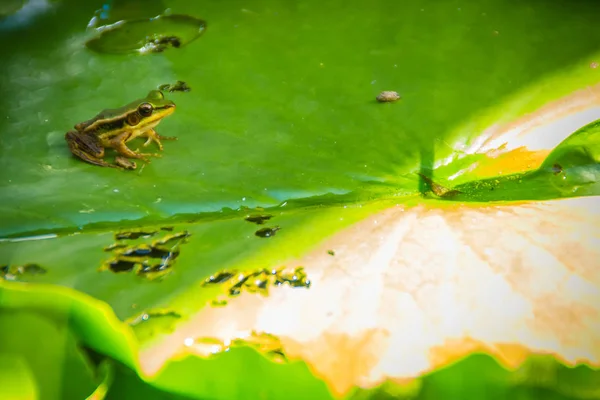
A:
[(113, 128)]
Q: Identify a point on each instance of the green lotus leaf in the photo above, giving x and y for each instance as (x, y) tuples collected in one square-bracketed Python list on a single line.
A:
[(301, 239), (40, 358)]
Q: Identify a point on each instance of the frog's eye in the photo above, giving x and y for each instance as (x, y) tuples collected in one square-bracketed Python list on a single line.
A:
[(145, 109)]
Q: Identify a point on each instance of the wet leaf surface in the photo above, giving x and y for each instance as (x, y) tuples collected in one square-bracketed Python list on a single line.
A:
[(370, 280), (9, 272), (150, 260)]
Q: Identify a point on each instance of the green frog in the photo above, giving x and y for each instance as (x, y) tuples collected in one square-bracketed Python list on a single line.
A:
[(113, 128)]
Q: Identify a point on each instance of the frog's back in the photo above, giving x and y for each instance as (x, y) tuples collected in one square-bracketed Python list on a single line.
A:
[(102, 115)]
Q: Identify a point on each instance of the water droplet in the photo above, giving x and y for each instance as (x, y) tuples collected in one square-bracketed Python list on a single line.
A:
[(179, 237), (116, 190), (121, 265), (132, 235), (258, 281), (258, 219), (115, 246), (220, 277), (144, 36)]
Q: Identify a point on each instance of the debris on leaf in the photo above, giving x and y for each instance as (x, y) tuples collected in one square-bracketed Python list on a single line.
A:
[(11, 273), (218, 303), (388, 96), (438, 190), (258, 219), (149, 260), (557, 168), (267, 232), (258, 281), (179, 86)]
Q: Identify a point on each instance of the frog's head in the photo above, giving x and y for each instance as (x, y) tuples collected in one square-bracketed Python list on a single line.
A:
[(140, 114), (149, 110)]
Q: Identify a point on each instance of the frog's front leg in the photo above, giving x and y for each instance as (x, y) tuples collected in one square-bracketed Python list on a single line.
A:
[(87, 147), (118, 143), (153, 136)]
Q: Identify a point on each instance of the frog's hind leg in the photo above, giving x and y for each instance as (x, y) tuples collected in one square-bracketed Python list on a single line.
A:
[(118, 143), (153, 136), (87, 148)]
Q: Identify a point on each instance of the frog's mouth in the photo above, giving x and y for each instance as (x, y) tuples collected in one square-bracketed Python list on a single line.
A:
[(167, 109)]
